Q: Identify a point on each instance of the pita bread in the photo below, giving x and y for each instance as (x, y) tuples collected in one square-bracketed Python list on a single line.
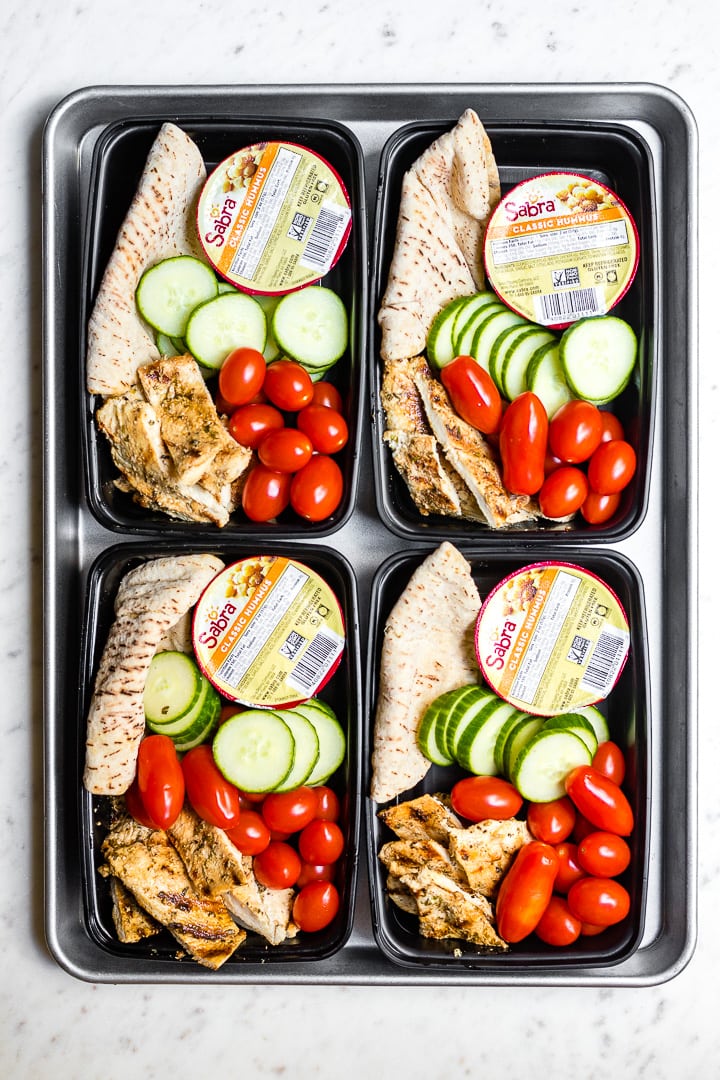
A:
[(160, 223)]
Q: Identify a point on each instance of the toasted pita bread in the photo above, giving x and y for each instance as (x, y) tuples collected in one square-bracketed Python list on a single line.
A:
[(160, 223)]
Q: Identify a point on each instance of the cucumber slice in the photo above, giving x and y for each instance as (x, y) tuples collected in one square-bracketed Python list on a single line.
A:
[(461, 719), (472, 305), (598, 356), (268, 304), (489, 332), (172, 687), (169, 291), (540, 770), (254, 750), (307, 749), (168, 346), (226, 286), (432, 732), (225, 323), (598, 721), (513, 376), (578, 725), (311, 326), (440, 343), (194, 726), (500, 349), (466, 336), (477, 745), (331, 738), (546, 378), (503, 735), (518, 739)]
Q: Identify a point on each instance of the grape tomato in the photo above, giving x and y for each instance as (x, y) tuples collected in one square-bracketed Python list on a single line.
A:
[(324, 393), (212, 797), (479, 798), (249, 424), (285, 450), (325, 427), (266, 493), (317, 488), (250, 835), (321, 842), (315, 906), (288, 385), (290, 811), (575, 431), (160, 779), (551, 821), (277, 866), (242, 375)]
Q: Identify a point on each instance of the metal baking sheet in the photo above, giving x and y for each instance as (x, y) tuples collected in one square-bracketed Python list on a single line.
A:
[(662, 547)]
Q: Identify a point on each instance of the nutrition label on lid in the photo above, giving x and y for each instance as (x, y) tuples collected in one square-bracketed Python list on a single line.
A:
[(264, 217), (562, 241), (549, 624)]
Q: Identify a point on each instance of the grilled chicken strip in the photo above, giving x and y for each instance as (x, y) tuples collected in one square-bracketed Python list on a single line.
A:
[(485, 851), (131, 922), (428, 648), (151, 598), (149, 866), (403, 858), (447, 910), (424, 818)]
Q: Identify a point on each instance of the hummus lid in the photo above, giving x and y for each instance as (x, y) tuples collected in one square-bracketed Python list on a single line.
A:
[(552, 638), (273, 217), (268, 632), (561, 247)]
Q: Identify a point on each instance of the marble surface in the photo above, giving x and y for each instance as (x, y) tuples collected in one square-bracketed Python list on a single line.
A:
[(53, 1025)]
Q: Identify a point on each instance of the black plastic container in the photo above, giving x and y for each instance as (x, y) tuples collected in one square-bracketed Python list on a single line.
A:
[(622, 161), (627, 712), (117, 164), (342, 693)]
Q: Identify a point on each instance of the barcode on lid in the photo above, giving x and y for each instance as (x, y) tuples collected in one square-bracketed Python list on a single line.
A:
[(325, 238), (577, 303), (316, 662), (606, 661)]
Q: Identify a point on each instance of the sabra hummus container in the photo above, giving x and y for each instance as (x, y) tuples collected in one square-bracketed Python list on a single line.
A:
[(273, 217), (268, 632), (561, 247), (551, 638)]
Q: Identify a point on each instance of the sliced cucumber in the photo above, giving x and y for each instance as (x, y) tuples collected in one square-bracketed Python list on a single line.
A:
[(477, 744), (168, 346), (432, 731), (513, 375), (307, 749), (169, 291), (503, 735), (471, 306), (501, 347), (578, 725), (486, 336), (254, 750), (440, 343), (268, 304), (465, 337), (540, 770), (226, 286), (546, 378), (598, 721), (598, 356), (331, 738), (311, 326), (196, 724), (225, 323), (518, 739), (462, 718), (172, 687)]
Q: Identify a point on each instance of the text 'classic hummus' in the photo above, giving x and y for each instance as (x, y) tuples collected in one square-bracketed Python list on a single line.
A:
[(551, 638)]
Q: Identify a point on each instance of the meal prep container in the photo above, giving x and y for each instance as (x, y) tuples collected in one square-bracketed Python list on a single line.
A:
[(627, 712), (617, 157), (643, 140), (117, 164)]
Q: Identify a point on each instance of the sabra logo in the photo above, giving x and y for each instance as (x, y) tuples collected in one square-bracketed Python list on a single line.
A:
[(219, 621), (501, 644), (528, 209), (222, 220)]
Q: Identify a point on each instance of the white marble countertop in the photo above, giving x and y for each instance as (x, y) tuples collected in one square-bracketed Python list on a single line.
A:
[(52, 1025)]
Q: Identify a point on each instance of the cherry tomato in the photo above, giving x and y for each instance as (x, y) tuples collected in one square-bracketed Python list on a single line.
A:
[(551, 463), (290, 811), (223, 407), (250, 835), (286, 450), (611, 427), (523, 444), (324, 393), (315, 872), (612, 467), (474, 395), (582, 828), (252, 797), (288, 385), (328, 804), (526, 890), (136, 808), (603, 854), (160, 779), (249, 424), (316, 490), (588, 930), (563, 492), (325, 427), (321, 842), (610, 761), (242, 375), (598, 509), (569, 871), (558, 926), (315, 906), (278, 866), (279, 834), (479, 798), (551, 821), (575, 431), (600, 800), (599, 901), (266, 493), (212, 797)]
